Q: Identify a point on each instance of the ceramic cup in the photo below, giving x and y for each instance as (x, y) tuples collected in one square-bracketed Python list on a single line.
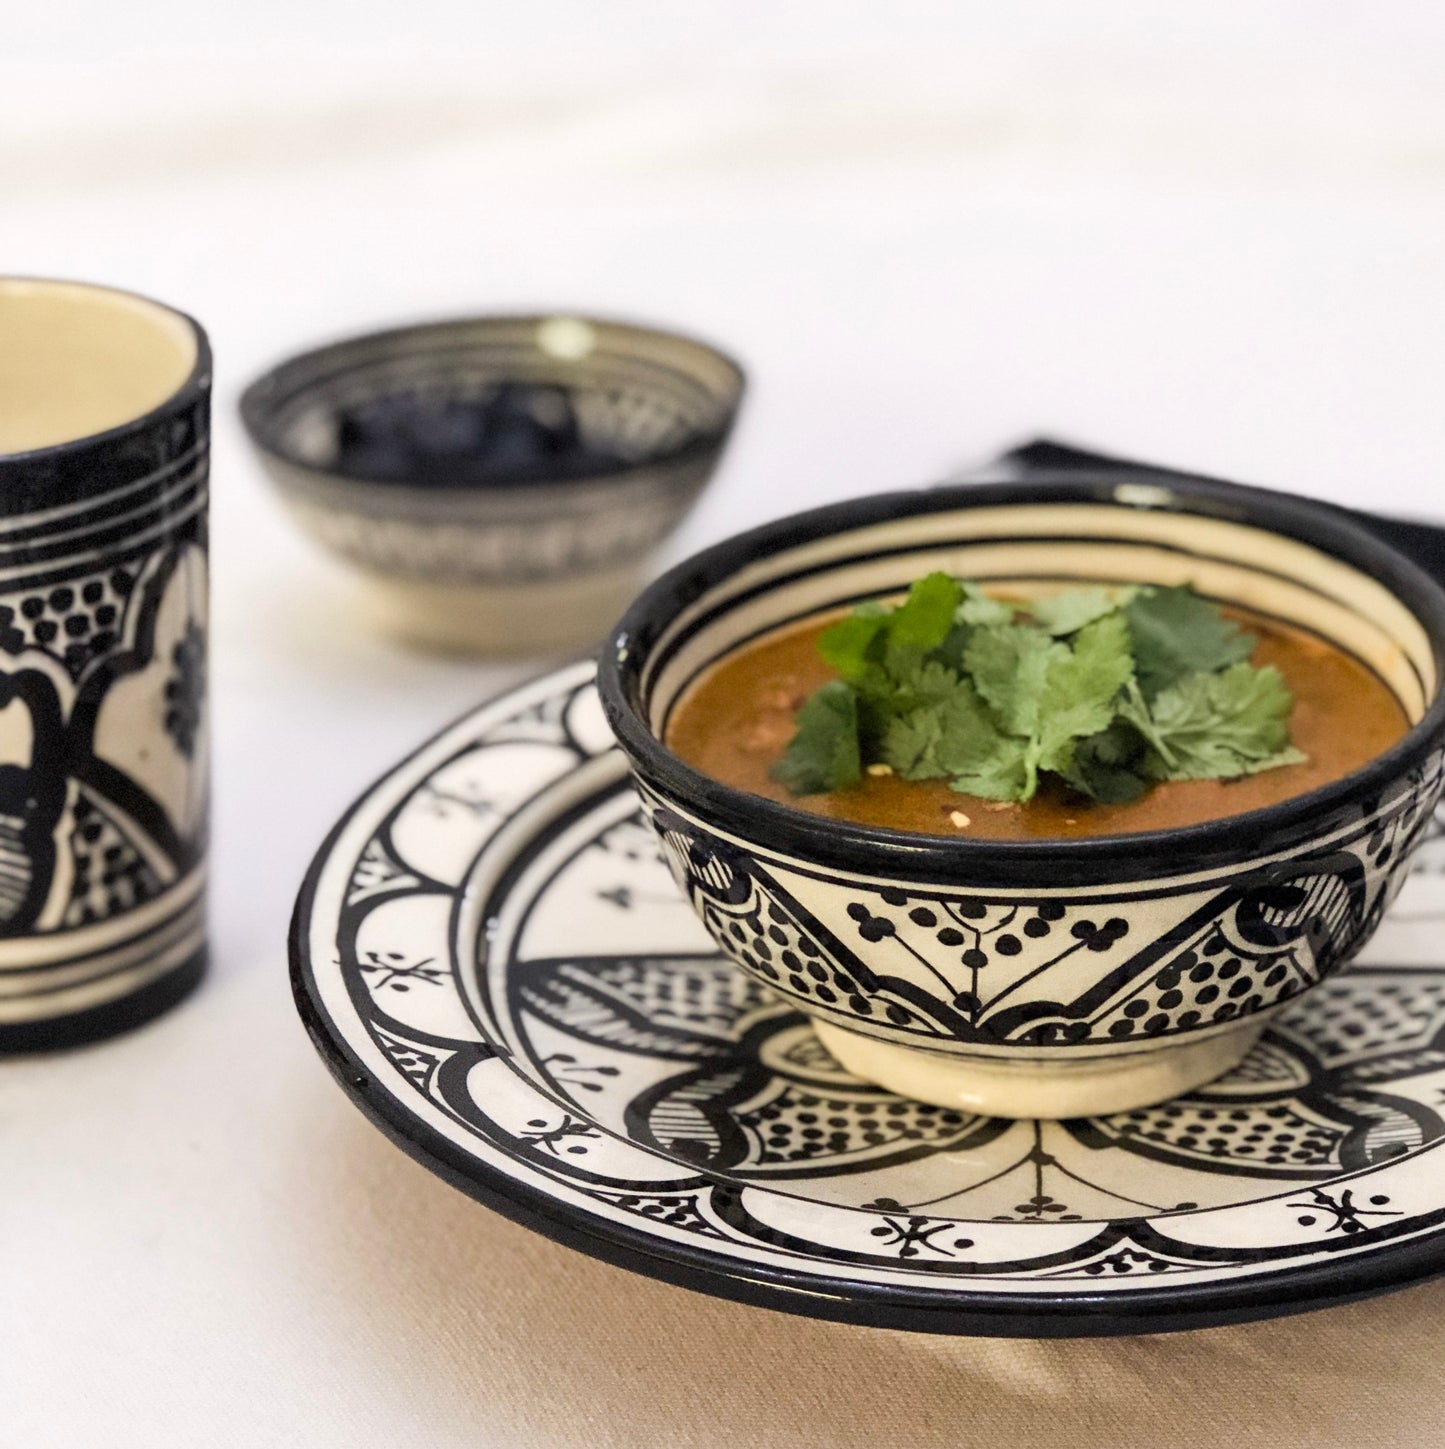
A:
[(1049, 978), (104, 408)]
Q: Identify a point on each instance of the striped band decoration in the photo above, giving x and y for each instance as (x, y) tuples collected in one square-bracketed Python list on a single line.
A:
[(37, 550), (112, 962)]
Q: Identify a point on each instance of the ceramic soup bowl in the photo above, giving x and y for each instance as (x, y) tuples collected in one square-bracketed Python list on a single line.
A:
[(1052, 978)]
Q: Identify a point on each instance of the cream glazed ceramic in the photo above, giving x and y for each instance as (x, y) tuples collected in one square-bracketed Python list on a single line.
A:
[(104, 731), (493, 959), (513, 567), (1053, 979)]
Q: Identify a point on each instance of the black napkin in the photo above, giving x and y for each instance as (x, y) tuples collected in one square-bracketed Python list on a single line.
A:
[(1044, 458)]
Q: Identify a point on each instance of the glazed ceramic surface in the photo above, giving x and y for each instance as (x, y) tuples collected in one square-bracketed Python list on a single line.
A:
[(1047, 978), (103, 628), (496, 963), (537, 561)]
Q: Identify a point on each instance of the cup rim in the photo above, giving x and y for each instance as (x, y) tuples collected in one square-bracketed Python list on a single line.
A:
[(196, 381), (256, 403), (868, 848)]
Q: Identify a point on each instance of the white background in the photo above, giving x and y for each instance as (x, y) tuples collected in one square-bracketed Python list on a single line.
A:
[(928, 231)]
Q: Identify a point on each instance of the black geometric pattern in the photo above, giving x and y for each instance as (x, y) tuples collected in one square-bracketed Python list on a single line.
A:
[(111, 875), (919, 964), (658, 1084), (81, 627), (74, 622)]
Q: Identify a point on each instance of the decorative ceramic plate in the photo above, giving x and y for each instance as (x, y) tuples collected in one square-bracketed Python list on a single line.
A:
[(500, 971)]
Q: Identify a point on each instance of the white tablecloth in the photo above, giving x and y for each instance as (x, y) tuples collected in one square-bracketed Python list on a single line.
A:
[(928, 235)]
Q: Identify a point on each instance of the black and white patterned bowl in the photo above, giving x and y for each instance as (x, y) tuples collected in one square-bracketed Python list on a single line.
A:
[(1041, 978), (501, 564)]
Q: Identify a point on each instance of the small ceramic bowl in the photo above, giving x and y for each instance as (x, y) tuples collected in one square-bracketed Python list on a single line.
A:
[(501, 481), (1051, 978)]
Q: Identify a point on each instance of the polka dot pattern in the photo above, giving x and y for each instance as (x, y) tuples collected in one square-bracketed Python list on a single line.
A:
[(1206, 984), (800, 1126), (1360, 1018), (76, 622), (763, 937), (1274, 1135)]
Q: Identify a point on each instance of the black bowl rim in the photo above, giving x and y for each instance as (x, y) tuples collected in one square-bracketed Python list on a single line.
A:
[(874, 850), (258, 416), (196, 381)]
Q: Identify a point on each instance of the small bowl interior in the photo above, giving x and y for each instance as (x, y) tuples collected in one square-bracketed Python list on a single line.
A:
[(1036, 546), (496, 402)]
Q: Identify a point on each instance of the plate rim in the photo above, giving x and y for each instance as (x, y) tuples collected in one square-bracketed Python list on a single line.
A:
[(836, 1298)]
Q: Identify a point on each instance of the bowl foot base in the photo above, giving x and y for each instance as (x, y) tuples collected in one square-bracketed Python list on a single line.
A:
[(553, 616), (1086, 1088)]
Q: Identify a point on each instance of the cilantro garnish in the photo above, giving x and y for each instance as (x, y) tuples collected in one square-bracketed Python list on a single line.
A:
[(824, 753), (1103, 691), (1177, 633), (1217, 726)]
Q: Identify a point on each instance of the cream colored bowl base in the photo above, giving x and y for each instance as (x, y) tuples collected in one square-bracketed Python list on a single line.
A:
[(548, 617), (1087, 1088)]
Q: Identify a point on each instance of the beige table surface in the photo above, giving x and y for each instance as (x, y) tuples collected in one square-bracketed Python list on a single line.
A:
[(929, 231)]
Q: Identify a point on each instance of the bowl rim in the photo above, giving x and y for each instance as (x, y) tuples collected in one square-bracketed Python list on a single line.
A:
[(871, 849), (189, 390), (256, 404)]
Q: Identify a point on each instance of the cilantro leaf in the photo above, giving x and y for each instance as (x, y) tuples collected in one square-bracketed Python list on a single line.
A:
[(927, 683), (1081, 687), (847, 646), (1218, 726), (950, 652), (885, 695), (922, 621), (1175, 632), (1049, 693), (824, 753), (953, 735), (1004, 775), (978, 610), (1009, 665), (910, 743), (1109, 766), (1068, 611), (972, 741), (978, 607), (879, 649)]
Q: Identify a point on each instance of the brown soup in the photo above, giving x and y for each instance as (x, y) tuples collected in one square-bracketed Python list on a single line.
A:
[(738, 719)]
